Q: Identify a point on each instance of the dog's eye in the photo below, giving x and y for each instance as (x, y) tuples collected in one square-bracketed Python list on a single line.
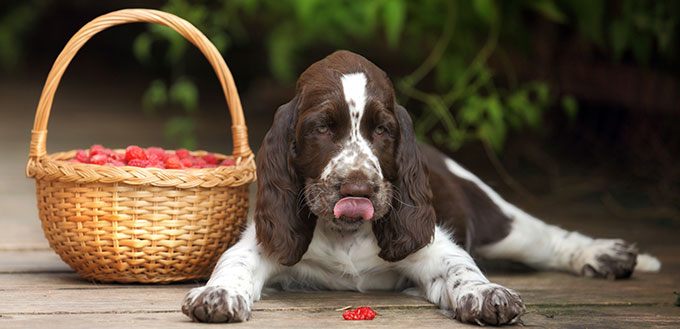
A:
[(322, 130), (379, 130)]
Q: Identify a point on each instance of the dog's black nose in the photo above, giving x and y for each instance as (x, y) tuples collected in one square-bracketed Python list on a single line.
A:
[(356, 189)]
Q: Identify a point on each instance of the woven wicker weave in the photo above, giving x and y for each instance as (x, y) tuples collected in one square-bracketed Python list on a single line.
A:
[(130, 224)]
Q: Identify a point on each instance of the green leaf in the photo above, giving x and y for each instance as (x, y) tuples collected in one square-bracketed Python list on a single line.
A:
[(221, 41), (548, 9), (177, 42), (141, 47), (570, 107), (394, 15), (154, 96), (494, 109), (470, 114), (281, 53), (304, 9), (494, 134), (618, 37), (185, 93), (542, 92), (486, 10), (181, 131)]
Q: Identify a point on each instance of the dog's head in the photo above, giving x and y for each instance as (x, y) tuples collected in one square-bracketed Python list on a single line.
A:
[(343, 152)]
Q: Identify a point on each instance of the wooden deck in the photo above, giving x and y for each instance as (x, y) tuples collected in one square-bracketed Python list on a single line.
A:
[(39, 291)]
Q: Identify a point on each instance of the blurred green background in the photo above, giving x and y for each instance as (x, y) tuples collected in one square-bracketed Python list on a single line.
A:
[(525, 85)]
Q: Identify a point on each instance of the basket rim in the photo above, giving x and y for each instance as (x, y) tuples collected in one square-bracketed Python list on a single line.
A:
[(55, 167)]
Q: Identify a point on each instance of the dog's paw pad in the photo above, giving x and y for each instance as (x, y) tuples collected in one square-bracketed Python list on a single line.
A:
[(215, 304), (489, 304), (611, 259)]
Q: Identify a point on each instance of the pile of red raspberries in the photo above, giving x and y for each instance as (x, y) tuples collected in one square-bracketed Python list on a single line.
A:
[(152, 157)]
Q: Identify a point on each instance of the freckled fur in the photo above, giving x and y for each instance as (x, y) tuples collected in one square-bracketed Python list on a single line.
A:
[(296, 243)]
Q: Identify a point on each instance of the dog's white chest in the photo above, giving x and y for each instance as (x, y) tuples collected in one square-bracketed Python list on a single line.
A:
[(341, 262)]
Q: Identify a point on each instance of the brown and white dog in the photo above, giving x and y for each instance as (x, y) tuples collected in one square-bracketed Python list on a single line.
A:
[(348, 200)]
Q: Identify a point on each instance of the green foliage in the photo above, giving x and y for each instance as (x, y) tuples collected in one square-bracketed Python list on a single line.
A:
[(180, 130), (639, 27), (15, 22), (155, 96), (394, 16), (455, 91), (570, 107), (449, 43)]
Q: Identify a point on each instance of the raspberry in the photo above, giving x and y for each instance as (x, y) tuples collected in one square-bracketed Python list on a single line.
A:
[(210, 165), (98, 159), (199, 162), (96, 149), (157, 151), (227, 162), (210, 158), (135, 152), (113, 156), (183, 153), (187, 162), (155, 164), (82, 157), (153, 157), (173, 163), (361, 313), (137, 163), (116, 163)]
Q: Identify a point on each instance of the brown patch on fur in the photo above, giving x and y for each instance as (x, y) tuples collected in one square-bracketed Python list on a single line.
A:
[(463, 207), (411, 226)]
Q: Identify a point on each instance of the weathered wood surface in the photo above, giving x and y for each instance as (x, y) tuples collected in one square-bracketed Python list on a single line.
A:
[(37, 290), (588, 316)]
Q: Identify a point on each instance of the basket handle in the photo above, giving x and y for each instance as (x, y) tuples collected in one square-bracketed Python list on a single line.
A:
[(188, 31)]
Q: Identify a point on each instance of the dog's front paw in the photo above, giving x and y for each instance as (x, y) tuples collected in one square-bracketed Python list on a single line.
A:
[(216, 304), (604, 258), (486, 303)]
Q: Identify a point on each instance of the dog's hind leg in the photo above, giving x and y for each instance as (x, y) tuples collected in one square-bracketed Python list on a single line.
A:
[(543, 246)]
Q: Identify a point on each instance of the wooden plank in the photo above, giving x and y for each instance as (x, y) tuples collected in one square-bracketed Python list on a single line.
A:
[(573, 317), (130, 298), (70, 294), (589, 316), (396, 318), (44, 292), (536, 288), (36, 261), (560, 288)]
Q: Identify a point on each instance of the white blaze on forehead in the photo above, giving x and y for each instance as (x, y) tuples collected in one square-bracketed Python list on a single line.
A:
[(354, 88), (356, 153)]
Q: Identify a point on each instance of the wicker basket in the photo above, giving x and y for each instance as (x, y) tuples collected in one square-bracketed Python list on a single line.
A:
[(130, 224)]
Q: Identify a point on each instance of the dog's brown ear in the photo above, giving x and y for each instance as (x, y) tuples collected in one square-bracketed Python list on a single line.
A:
[(410, 226), (283, 230)]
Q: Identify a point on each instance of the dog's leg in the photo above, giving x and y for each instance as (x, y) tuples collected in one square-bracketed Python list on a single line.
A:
[(545, 246), (549, 247), (448, 277), (236, 282)]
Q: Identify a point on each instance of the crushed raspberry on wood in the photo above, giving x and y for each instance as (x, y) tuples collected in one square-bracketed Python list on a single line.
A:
[(361, 313)]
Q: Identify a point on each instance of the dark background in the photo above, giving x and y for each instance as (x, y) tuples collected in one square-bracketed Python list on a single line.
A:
[(618, 147)]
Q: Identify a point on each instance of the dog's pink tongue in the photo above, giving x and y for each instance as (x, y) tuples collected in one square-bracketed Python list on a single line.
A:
[(353, 207)]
